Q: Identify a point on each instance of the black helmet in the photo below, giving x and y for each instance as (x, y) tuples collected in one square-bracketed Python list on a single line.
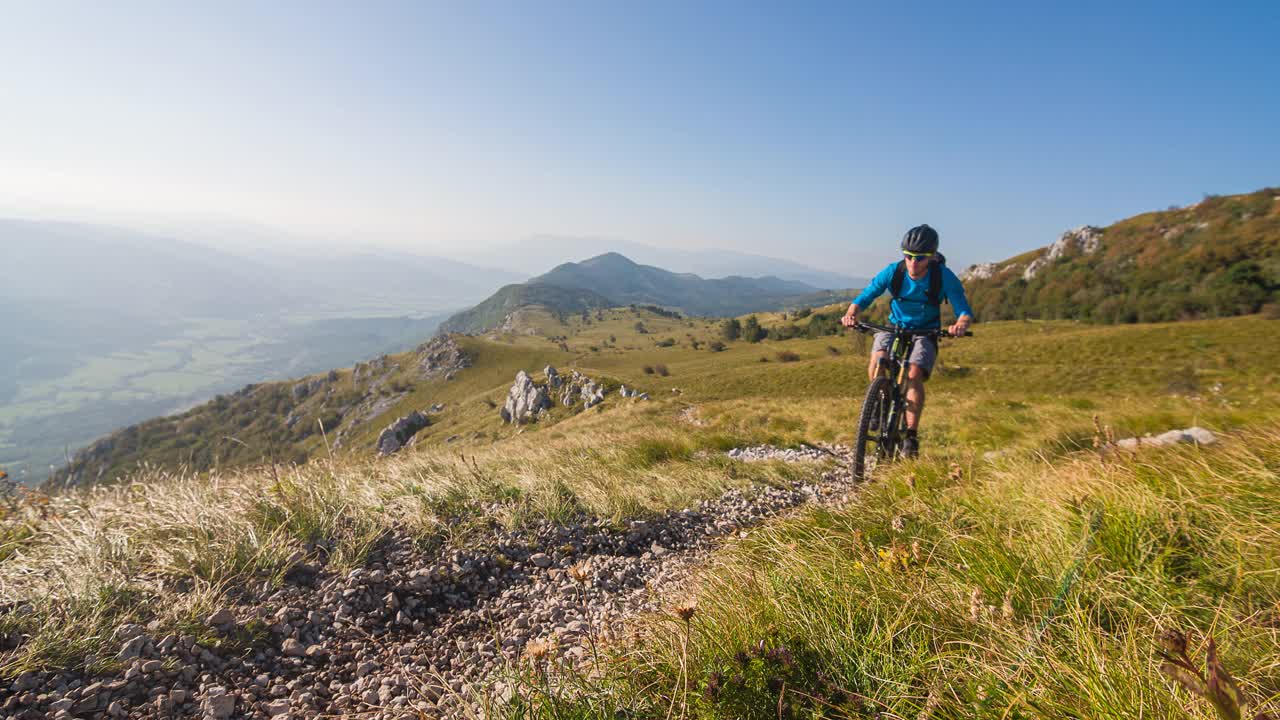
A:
[(920, 239)]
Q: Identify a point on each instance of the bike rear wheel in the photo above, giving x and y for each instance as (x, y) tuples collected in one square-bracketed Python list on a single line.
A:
[(873, 445)]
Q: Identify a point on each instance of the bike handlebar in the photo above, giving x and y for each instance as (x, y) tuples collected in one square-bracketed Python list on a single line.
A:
[(867, 327)]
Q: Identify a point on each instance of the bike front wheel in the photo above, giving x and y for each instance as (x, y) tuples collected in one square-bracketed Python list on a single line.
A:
[(874, 443)]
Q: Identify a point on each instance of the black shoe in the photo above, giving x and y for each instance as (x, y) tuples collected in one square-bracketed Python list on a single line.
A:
[(910, 446)]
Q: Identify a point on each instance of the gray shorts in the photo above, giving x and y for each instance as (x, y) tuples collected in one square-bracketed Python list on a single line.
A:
[(924, 352)]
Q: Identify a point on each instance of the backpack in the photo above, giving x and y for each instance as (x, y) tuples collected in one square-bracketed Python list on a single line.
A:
[(933, 295)]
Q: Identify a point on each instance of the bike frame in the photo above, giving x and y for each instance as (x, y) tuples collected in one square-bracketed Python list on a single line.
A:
[(891, 408), (894, 366)]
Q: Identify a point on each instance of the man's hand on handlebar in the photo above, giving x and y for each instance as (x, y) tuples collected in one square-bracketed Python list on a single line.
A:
[(960, 327), (850, 317)]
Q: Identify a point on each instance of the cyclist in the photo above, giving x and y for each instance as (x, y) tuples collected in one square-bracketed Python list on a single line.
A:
[(918, 285)]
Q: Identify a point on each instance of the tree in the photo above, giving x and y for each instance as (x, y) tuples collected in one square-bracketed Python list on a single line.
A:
[(731, 329), (751, 330)]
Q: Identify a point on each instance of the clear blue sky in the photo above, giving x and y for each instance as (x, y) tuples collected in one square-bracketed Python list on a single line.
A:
[(813, 131)]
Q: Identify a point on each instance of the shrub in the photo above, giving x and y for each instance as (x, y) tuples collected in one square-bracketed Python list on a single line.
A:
[(833, 350), (648, 369), (666, 342), (661, 370), (823, 324), (731, 329), (1271, 311), (787, 356), (715, 346), (751, 330), (784, 332), (763, 359)]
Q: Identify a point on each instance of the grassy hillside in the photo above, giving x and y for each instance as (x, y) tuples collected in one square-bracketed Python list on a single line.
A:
[(168, 545), (493, 310), (1217, 258), (613, 280), (269, 421)]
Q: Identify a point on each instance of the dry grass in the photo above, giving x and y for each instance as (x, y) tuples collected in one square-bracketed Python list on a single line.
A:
[(1032, 589), (166, 546)]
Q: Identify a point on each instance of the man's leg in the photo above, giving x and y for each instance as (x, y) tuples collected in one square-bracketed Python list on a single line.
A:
[(915, 395), (874, 368)]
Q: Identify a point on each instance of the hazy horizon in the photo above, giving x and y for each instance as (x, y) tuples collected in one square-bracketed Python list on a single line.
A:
[(806, 134)]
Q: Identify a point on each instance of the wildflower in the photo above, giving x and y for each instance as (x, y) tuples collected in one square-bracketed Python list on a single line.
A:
[(782, 656), (899, 523), (956, 472), (580, 572), (915, 550), (1006, 609), (536, 650), (685, 609)]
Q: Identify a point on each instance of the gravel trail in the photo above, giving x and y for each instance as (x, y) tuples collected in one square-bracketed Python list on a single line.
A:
[(419, 633)]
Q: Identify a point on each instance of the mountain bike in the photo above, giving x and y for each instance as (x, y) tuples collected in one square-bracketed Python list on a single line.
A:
[(882, 425)]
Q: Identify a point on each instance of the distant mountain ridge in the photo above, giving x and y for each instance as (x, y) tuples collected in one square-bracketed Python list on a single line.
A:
[(612, 279), (1217, 258), (529, 255)]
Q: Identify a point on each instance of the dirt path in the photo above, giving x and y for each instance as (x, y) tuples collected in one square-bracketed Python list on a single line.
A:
[(418, 633)]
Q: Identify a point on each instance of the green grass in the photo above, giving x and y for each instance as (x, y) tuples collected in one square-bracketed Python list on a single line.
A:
[(1031, 590), (889, 627)]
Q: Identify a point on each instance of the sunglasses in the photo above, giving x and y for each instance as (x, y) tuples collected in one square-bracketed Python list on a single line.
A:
[(916, 256)]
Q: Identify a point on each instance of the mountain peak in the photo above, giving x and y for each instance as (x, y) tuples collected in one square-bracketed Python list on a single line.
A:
[(614, 279)]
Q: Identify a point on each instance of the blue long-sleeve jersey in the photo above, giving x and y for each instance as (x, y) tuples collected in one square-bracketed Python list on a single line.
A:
[(912, 309)]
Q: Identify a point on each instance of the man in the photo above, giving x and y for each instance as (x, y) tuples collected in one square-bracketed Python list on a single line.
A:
[(918, 284)]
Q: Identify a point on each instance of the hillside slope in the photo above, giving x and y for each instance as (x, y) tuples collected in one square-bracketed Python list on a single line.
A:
[(613, 280), (497, 307), (354, 581), (1217, 258)]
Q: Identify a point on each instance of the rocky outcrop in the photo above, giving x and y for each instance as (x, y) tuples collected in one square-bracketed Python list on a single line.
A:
[(1085, 239), (525, 401), (1194, 435), (980, 271), (399, 432), (627, 392), (371, 370), (441, 356), (579, 387), (306, 388)]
